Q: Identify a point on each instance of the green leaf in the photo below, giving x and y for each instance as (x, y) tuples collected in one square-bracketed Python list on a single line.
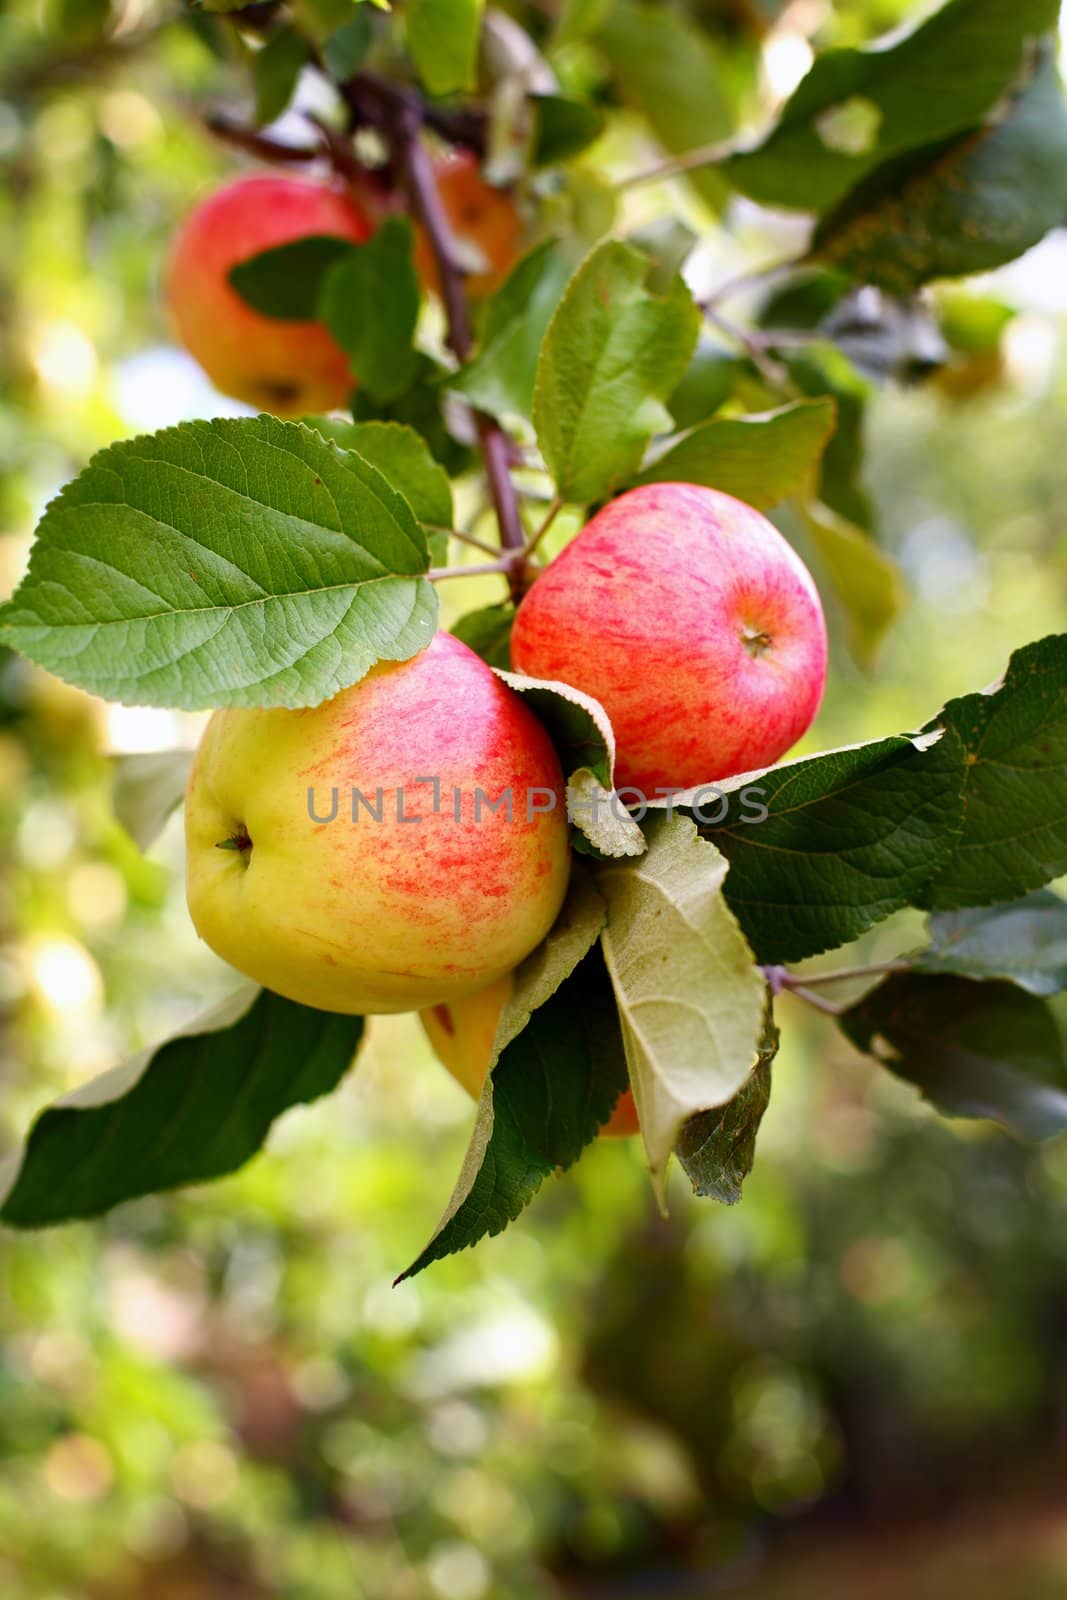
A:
[(286, 282), (196, 1107), (488, 633), (443, 41), (585, 742), (347, 46), (612, 354), (1024, 942), (554, 1086), (1015, 820), (420, 407), (275, 70), (972, 1049), (690, 997), (241, 562), (370, 303), (578, 19), (403, 458), (706, 384), (147, 789), (866, 581), (935, 82), (850, 837), (500, 379), (763, 459), (968, 207), (562, 128), (820, 370), (717, 1148), (667, 69)]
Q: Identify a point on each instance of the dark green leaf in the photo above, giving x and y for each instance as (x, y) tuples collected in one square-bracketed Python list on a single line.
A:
[(370, 303), (850, 837), (762, 459), (706, 384), (858, 108), (972, 1049), (962, 208), (420, 407), (562, 128), (488, 633), (823, 370), (240, 562), (1015, 821), (553, 1087), (275, 69), (500, 379), (667, 69), (1024, 941), (197, 1107), (612, 354), (286, 282), (717, 1148), (346, 47)]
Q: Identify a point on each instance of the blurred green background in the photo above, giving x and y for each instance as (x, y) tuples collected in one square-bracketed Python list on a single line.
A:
[(855, 1383)]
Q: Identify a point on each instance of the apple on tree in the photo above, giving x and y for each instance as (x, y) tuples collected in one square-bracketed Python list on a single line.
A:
[(481, 216), (437, 899), (693, 622), (289, 368)]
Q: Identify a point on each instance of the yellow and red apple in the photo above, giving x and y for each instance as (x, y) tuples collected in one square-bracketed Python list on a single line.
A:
[(289, 368), (430, 894), (693, 622)]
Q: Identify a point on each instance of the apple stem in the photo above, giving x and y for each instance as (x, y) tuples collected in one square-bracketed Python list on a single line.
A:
[(554, 509), (473, 570)]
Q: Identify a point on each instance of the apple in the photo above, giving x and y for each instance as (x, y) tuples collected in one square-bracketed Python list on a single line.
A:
[(483, 218), (693, 622), (462, 1032), (406, 906), (289, 368)]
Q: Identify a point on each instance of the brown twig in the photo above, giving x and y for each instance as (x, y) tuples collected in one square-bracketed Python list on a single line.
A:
[(400, 116), (258, 144)]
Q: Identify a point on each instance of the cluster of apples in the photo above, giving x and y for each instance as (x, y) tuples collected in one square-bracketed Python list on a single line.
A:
[(293, 368), (357, 856)]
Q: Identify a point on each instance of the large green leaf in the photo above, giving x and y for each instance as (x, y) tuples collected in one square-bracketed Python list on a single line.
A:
[(443, 41), (370, 303), (275, 70), (554, 1086), (973, 1049), (850, 836), (961, 208), (690, 996), (668, 70), (762, 459), (500, 378), (858, 108), (1014, 834), (229, 563), (1024, 941), (612, 354), (197, 1107)]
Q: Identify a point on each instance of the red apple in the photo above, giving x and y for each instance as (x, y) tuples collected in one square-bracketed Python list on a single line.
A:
[(693, 622), (482, 217), (286, 367)]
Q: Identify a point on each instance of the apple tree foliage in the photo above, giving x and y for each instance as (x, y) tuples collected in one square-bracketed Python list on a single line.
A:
[(255, 562)]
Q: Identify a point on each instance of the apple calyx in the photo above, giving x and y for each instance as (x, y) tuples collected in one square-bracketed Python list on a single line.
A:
[(239, 840)]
